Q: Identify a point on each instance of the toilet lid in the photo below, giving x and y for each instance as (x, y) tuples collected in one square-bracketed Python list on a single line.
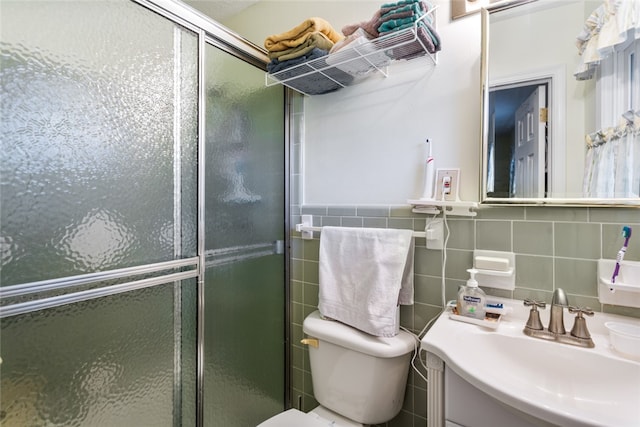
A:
[(292, 418)]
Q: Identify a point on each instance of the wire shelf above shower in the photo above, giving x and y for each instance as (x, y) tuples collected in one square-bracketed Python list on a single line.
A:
[(356, 63)]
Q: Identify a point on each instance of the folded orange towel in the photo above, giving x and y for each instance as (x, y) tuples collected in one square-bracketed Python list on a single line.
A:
[(299, 34), (314, 40)]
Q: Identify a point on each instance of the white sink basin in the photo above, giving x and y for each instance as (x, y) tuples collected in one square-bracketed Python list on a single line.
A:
[(558, 383)]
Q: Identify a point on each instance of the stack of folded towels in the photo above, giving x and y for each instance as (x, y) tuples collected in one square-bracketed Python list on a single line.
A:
[(297, 54), (310, 40), (394, 17)]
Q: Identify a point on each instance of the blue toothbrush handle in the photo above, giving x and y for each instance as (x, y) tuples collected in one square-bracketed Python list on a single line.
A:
[(615, 273)]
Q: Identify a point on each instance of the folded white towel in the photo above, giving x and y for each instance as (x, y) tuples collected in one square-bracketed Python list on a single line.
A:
[(365, 273), (356, 55)]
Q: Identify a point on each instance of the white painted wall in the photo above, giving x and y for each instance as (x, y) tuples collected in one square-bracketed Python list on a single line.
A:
[(365, 144)]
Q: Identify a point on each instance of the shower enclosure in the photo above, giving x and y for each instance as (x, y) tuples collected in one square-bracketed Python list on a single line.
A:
[(142, 219)]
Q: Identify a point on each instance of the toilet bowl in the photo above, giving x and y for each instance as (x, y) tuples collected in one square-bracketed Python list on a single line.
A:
[(358, 378)]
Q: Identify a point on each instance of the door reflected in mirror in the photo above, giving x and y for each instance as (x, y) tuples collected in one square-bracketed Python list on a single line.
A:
[(518, 140), (559, 125)]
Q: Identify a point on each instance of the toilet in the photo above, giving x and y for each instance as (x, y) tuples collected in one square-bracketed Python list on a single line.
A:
[(358, 379)]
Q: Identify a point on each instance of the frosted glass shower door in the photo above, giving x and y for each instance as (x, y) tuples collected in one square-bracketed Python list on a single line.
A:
[(98, 215), (244, 346)]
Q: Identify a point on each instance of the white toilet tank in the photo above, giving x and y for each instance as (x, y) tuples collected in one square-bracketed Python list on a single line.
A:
[(357, 375)]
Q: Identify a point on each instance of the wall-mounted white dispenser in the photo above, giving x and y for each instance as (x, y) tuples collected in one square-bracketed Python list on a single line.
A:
[(496, 269)]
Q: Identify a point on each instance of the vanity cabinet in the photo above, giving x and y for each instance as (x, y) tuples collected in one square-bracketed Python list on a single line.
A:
[(467, 406)]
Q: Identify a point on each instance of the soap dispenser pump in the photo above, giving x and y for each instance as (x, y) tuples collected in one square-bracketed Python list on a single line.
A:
[(472, 299)]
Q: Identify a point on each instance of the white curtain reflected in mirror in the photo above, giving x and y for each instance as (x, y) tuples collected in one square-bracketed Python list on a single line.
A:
[(611, 56), (611, 168)]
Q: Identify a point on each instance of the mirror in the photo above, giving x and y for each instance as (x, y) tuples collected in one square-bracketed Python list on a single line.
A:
[(558, 127)]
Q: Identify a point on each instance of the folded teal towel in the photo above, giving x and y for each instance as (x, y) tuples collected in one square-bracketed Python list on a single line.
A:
[(423, 25), (394, 18), (399, 3), (397, 24), (415, 8)]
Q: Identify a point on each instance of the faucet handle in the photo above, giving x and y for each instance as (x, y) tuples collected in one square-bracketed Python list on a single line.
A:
[(579, 311), (534, 304), (534, 315), (579, 329)]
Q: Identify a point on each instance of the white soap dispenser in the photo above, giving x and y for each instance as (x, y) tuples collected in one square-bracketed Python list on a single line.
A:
[(472, 299)]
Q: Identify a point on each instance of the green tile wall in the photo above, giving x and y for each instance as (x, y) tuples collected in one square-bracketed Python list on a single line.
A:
[(555, 249)]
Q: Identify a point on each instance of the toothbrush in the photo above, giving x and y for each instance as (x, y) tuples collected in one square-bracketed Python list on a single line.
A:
[(626, 233), (429, 174)]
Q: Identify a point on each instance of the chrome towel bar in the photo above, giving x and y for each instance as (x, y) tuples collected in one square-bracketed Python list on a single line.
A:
[(307, 229)]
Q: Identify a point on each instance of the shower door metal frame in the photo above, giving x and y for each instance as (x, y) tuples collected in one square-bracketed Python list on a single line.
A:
[(221, 37)]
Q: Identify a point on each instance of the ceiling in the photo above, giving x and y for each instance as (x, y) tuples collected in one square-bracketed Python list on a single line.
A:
[(220, 10)]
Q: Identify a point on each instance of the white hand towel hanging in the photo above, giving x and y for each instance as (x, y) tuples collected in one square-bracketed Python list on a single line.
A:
[(365, 273)]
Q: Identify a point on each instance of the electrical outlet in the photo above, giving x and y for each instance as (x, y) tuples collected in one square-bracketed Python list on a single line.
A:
[(447, 184)]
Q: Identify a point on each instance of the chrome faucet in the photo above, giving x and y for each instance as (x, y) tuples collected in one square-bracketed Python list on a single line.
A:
[(556, 332)]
